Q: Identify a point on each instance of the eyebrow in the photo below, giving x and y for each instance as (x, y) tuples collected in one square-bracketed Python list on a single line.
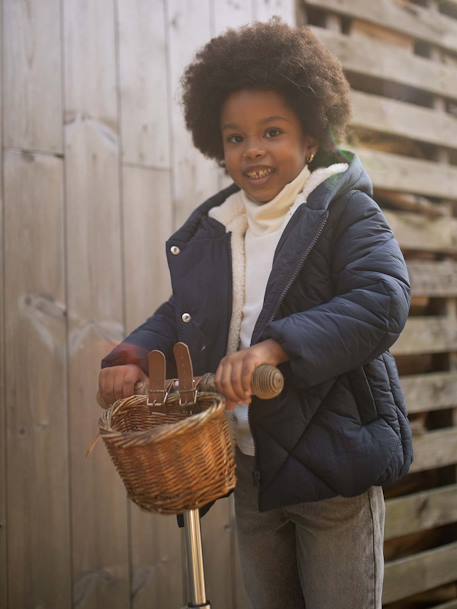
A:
[(269, 119)]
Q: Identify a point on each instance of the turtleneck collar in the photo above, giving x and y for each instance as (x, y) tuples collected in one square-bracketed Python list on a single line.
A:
[(267, 217)]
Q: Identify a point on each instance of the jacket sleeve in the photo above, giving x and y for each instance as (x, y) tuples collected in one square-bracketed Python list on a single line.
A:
[(370, 304), (157, 332)]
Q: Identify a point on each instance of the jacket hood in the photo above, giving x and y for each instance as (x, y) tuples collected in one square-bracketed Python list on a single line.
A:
[(354, 178)]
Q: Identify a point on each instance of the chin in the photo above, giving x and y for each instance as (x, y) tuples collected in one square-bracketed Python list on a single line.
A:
[(263, 197)]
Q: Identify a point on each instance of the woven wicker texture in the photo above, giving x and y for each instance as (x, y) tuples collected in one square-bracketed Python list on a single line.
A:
[(171, 458)]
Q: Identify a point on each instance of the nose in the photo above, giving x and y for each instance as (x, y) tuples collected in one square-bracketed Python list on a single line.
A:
[(254, 150)]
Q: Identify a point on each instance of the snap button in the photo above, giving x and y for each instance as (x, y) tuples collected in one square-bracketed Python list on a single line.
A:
[(174, 249), (186, 317)]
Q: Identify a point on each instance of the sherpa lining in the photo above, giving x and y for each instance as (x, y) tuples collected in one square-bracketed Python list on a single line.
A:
[(232, 214)]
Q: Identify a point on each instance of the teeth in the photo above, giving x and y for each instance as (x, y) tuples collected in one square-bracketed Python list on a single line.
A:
[(258, 173)]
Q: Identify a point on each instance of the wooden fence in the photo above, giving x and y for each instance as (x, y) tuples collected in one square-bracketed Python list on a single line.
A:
[(97, 172)]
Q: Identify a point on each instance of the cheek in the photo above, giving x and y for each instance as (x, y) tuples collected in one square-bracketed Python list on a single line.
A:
[(230, 160)]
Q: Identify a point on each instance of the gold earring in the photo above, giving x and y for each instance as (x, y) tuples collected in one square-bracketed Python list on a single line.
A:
[(310, 158)]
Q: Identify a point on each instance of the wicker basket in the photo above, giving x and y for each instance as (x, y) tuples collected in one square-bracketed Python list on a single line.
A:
[(171, 457)]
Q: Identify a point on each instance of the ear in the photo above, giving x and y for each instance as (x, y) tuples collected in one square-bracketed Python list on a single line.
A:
[(311, 145)]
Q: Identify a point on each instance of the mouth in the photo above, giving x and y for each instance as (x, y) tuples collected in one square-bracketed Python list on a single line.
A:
[(258, 175)]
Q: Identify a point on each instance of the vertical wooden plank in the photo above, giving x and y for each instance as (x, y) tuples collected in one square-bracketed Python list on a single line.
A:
[(147, 218), (37, 450), (266, 9), (143, 83), (94, 246), (32, 67), (229, 14), (156, 554), (3, 471), (194, 177), (155, 542)]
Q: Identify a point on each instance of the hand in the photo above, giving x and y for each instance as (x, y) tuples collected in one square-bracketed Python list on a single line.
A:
[(118, 382), (234, 373)]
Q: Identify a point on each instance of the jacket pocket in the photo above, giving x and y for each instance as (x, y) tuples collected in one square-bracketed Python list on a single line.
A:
[(363, 395)]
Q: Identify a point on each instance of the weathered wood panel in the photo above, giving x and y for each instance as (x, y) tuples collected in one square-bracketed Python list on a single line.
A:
[(143, 83), (402, 119), (421, 572), (32, 68), (265, 9), (99, 505), (156, 556), (392, 64), (432, 391), (366, 29), (435, 449), (420, 511), (426, 335), (411, 19), (449, 605), (227, 13), (434, 279), (418, 232), (194, 177), (400, 173), (451, 3), (147, 223), (37, 449), (3, 462)]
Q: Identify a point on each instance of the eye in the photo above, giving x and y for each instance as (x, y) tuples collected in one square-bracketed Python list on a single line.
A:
[(273, 132), (234, 139)]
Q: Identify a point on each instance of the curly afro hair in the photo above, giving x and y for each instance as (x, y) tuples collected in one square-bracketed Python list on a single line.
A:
[(267, 56)]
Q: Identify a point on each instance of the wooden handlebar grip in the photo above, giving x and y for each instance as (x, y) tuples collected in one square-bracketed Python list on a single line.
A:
[(267, 382)]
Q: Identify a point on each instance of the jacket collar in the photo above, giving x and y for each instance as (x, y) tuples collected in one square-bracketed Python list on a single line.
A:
[(319, 199)]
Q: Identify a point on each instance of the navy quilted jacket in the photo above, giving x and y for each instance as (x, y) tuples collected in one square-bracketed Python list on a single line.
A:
[(337, 298)]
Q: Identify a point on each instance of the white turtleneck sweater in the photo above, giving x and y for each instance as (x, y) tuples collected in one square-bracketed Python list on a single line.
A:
[(256, 229)]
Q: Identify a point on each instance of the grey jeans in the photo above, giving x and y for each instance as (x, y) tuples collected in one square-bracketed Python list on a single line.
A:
[(319, 555)]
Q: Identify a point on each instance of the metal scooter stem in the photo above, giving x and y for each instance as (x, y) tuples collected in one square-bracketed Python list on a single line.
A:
[(195, 560)]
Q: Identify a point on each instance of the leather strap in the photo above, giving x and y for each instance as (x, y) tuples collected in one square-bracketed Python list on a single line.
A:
[(156, 365), (187, 385)]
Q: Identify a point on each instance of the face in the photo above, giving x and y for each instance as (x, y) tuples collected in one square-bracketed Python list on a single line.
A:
[(264, 144)]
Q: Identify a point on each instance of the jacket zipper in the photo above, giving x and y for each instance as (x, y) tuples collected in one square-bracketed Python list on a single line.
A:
[(256, 472), (298, 267)]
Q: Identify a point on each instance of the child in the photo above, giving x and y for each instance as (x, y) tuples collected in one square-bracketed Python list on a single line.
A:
[(292, 265)]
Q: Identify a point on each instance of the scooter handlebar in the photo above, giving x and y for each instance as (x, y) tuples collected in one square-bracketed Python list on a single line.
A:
[(267, 383)]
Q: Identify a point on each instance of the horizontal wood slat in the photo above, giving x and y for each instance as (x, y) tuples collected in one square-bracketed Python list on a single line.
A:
[(435, 279), (417, 232), (435, 449), (412, 20), (400, 173), (449, 605), (420, 511), (432, 391), (452, 3), (391, 64), (427, 335), (402, 119), (420, 572)]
